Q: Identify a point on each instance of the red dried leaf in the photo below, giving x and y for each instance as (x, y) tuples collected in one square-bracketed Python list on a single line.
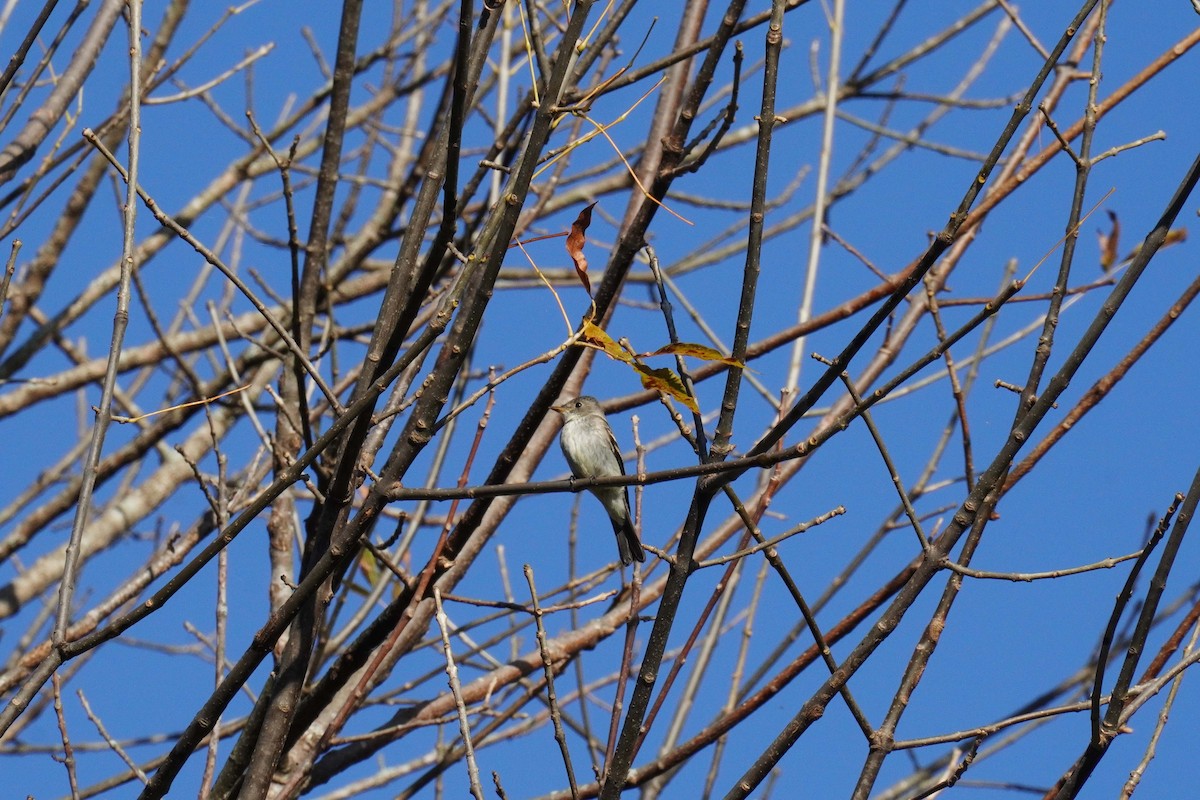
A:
[(575, 242)]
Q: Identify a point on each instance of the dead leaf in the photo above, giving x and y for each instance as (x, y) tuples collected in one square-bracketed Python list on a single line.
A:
[(695, 351), (596, 336), (1109, 243), (370, 566), (662, 379), (665, 381), (1174, 236), (575, 242)]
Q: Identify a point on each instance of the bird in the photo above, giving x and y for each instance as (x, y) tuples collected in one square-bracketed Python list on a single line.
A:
[(592, 452)]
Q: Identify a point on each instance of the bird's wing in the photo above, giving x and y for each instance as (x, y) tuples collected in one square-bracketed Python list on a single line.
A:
[(615, 448)]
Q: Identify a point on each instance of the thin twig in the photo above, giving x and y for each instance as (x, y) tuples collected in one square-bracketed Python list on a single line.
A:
[(464, 725), (551, 696)]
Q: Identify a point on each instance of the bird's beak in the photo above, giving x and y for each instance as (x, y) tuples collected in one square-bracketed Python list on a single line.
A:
[(559, 409)]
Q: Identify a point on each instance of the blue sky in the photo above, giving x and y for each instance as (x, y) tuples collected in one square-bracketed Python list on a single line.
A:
[(1005, 642)]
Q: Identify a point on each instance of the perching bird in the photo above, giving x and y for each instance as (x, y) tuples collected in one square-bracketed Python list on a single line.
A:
[(591, 450)]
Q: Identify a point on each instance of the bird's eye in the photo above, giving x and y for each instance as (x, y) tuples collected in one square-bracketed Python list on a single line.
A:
[(578, 404)]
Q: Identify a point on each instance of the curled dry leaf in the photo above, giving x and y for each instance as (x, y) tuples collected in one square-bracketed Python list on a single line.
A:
[(662, 379), (596, 336), (1174, 236), (666, 381), (576, 239), (693, 350), (1109, 242)]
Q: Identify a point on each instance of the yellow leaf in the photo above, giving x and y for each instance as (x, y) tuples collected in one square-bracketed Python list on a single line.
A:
[(370, 566), (596, 336), (696, 351), (1174, 236), (667, 382)]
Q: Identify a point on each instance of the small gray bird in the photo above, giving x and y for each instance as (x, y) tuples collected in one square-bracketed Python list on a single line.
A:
[(591, 450)]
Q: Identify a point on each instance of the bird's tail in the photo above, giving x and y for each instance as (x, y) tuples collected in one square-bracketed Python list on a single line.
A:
[(628, 544)]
